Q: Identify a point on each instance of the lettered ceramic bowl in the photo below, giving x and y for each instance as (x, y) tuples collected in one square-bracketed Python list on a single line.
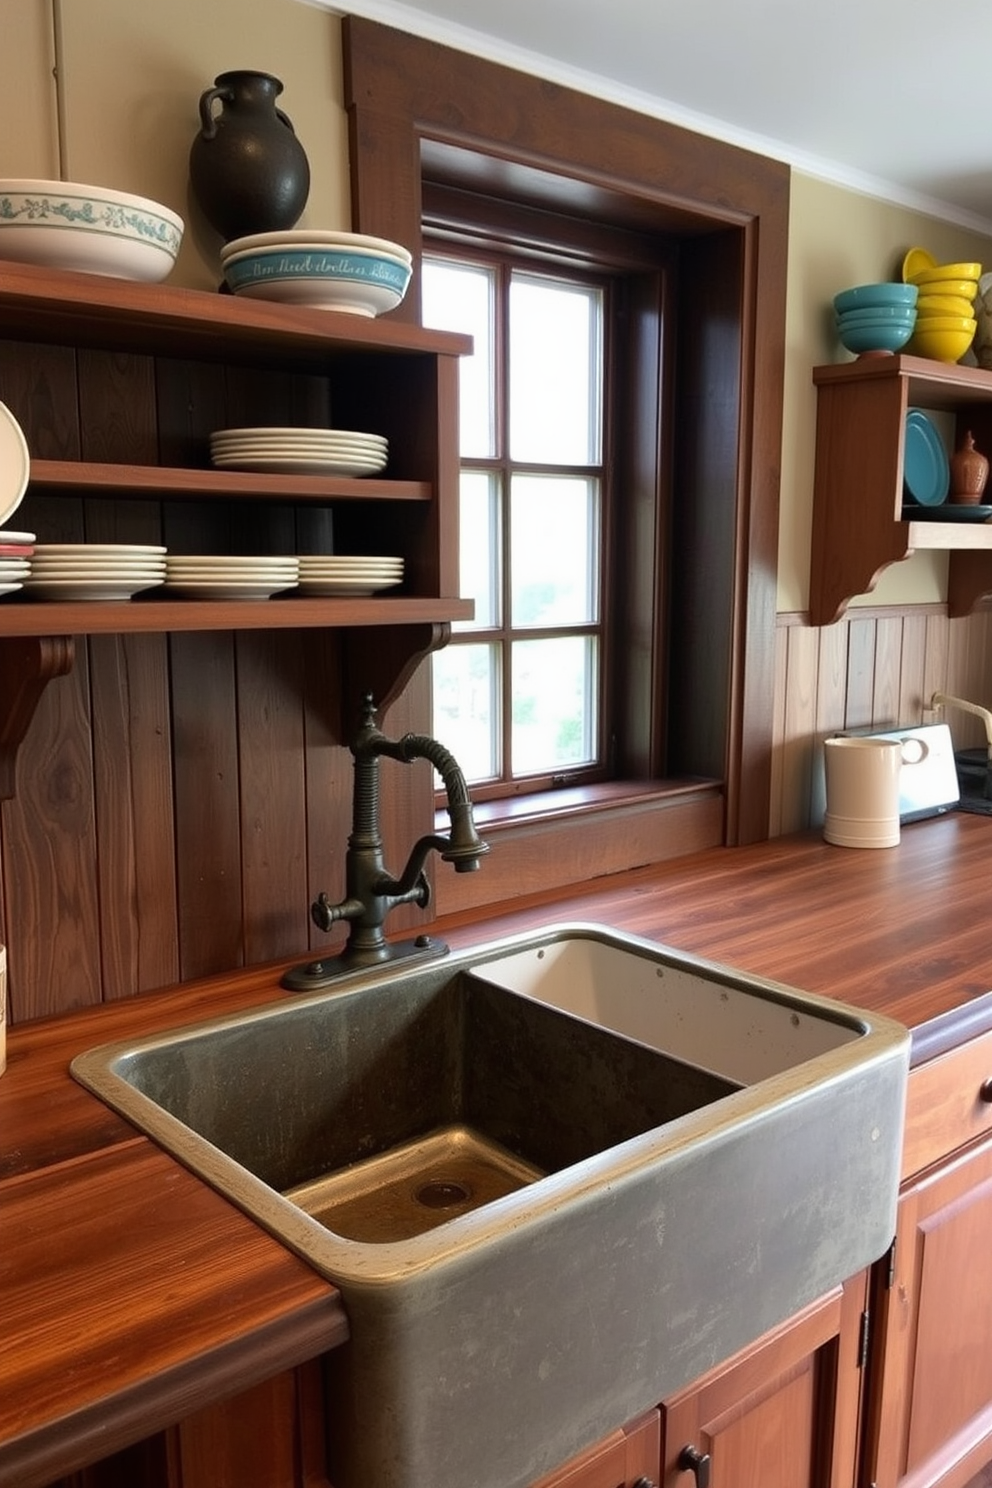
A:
[(357, 281), (63, 225)]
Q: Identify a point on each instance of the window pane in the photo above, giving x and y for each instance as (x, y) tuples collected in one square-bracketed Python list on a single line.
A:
[(554, 704), (479, 547), (466, 711), (456, 298), (554, 550), (555, 382)]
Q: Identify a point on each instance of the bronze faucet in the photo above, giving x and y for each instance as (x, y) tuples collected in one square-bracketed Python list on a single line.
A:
[(371, 892)]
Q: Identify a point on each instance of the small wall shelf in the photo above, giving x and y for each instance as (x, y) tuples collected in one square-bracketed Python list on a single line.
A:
[(858, 528)]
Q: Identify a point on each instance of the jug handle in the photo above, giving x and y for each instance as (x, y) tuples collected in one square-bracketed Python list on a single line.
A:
[(208, 124)]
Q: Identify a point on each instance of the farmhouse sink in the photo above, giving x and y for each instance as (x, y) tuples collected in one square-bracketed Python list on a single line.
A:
[(555, 1177)]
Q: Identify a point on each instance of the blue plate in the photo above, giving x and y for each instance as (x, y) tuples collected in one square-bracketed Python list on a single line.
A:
[(926, 470)]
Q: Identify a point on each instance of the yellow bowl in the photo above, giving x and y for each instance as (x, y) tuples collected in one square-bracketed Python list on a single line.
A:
[(943, 304), (971, 271), (946, 322), (917, 260), (940, 345), (962, 289)]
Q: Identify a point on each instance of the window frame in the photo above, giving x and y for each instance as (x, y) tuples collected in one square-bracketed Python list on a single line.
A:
[(410, 102), (505, 261)]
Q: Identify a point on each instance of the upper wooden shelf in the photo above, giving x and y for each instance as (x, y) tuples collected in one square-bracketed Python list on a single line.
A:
[(858, 526), (88, 310), (175, 483), (98, 617)]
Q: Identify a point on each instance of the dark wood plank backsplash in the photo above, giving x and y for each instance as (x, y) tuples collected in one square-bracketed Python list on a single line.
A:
[(181, 799)]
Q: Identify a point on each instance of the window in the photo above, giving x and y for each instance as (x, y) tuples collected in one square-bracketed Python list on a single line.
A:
[(694, 659), (519, 693)]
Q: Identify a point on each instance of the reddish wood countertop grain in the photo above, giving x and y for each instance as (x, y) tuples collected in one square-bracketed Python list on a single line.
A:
[(132, 1293), (905, 931)]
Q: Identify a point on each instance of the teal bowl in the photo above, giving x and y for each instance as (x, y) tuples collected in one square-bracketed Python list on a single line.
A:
[(864, 295), (879, 315), (875, 336)]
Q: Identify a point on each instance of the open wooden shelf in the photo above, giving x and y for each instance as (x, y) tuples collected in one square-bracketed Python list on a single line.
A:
[(97, 617), (858, 526), (174, 483)]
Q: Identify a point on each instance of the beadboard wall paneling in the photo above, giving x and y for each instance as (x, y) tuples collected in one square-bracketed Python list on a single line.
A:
[(874, 668)]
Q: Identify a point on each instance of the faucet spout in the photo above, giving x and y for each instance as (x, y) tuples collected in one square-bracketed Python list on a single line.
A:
[(371, 891)]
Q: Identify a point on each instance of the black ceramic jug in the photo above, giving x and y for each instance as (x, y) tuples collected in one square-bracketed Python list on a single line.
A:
[(248, 171)]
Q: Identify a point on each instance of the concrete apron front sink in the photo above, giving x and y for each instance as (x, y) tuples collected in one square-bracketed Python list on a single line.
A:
[(556, 1178)]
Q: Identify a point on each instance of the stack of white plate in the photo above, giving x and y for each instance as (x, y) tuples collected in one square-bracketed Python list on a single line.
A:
[(208, 576), (16, 549), (351, 576), (94, 570), (299, 451)]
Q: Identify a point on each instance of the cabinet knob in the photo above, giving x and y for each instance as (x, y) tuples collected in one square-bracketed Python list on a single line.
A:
[(985, 1091), (644, 1483), (698, 1463)]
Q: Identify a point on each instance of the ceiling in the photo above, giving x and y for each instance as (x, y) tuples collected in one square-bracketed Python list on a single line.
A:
[(890, 97)]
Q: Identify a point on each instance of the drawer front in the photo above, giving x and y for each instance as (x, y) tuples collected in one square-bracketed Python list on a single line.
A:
[(949, 1103)]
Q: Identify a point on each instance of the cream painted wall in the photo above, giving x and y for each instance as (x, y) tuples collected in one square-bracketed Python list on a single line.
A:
[(839, 238), (131, 75), (130, 78)]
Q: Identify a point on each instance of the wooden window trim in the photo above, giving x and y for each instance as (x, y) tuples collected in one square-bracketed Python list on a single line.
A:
[(408, 98)]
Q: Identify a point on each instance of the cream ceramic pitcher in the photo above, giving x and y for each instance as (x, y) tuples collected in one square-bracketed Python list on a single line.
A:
[(862, 780)]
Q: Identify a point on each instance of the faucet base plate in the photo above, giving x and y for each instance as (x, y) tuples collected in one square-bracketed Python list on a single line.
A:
[(313, 976)]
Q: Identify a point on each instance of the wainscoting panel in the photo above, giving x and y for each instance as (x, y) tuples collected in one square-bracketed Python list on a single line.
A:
[(875, 668)]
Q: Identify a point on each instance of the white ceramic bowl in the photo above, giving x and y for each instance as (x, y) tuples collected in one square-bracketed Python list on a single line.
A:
[(307, 237), (62, 225), (359, 283)]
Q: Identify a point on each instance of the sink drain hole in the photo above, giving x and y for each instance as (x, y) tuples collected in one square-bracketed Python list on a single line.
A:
[(442, 1193)]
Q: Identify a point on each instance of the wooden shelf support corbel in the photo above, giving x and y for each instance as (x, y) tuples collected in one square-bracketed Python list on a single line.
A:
[(27, 665), (381, 660)]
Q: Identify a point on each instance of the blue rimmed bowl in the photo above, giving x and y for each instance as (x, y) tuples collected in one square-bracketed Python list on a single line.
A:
[(358, 281), (90, 229)]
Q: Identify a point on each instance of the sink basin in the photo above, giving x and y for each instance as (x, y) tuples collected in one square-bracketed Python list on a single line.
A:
[(555, 1177)]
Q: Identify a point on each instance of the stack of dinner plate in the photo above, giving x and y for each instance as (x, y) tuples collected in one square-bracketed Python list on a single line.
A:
[(66, 571), (299, 451), (209, 576), (348, 576), (16, 549)]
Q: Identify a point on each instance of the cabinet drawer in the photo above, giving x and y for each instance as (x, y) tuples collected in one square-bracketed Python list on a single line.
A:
[(949, 1103)]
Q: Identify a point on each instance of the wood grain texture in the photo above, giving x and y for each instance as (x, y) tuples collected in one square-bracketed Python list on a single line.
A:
[(901, 932), (134, 813), (875, 669), (143, 1353)]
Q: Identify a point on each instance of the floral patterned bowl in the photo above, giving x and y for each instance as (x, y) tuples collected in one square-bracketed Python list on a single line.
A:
[(62, 225)]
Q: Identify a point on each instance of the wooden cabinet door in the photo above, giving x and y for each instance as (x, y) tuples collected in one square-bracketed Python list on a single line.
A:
[(270, 1436), (626, 1459), (932, 1346), (784, 1414)]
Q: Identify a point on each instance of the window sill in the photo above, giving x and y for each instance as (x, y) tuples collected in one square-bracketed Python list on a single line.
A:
[(559, 839)]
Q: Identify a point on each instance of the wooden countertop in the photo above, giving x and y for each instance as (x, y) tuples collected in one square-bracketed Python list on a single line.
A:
[(133, 1294)]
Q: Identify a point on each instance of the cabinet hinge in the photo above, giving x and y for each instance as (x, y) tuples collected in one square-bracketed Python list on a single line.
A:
[(890, 1273), (863, 1341)]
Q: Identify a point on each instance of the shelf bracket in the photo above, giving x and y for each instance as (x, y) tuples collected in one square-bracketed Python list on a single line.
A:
[(381, 659), (969, 580), (27, 665)]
